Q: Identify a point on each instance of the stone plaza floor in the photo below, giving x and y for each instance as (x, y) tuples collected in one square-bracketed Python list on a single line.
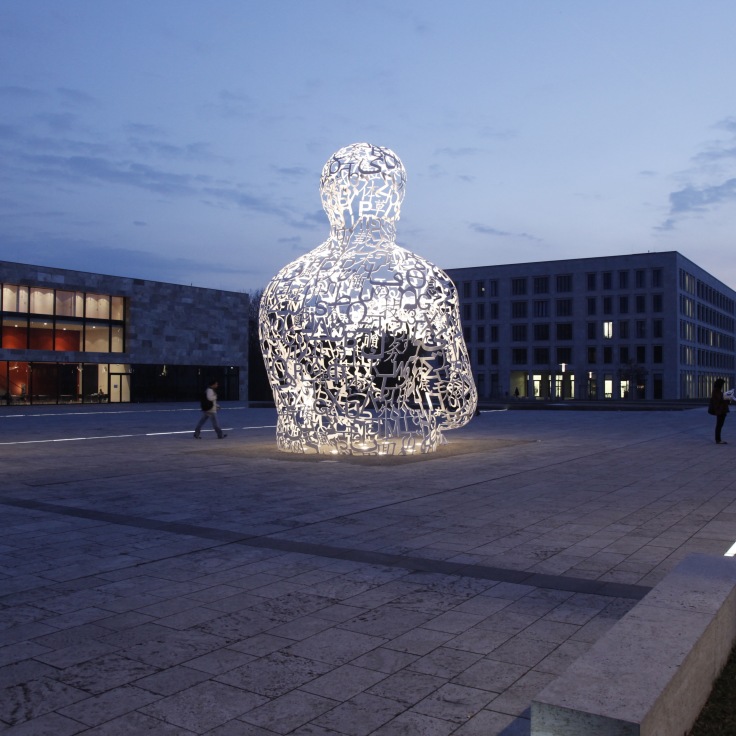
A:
[(151, 583)]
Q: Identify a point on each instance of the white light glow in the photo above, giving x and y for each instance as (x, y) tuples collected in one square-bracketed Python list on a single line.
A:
[(731, 552), (362, 338)]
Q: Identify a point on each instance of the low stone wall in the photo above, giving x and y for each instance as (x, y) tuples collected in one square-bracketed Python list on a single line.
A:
[(653, 671)]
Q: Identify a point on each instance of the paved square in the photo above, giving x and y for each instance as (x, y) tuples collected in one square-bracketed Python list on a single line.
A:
[(153, 584)]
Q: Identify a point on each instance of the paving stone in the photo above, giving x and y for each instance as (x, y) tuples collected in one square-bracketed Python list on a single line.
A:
[(454, 702), (320, 584), (360, 715), (285, 713), (275, 674), (344, 682), (204, 706), (335, 646), (108, 705)]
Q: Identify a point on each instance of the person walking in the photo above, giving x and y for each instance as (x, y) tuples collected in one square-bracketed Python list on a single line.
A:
[(719, 407), (209, 411)]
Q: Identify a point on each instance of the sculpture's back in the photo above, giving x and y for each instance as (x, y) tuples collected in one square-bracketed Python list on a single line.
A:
[(361, 338)]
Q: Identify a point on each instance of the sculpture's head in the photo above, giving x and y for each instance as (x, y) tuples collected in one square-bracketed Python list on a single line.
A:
[(362, 181)]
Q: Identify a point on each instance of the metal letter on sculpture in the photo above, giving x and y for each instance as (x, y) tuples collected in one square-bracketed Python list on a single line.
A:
[(362, 338)]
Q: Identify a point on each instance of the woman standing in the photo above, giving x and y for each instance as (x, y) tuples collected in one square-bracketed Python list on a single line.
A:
[(718, 406)]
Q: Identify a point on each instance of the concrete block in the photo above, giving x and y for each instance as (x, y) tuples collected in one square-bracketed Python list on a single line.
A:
[(652, 672)]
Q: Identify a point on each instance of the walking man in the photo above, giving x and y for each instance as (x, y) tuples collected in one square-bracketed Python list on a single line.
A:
[(209, 411)]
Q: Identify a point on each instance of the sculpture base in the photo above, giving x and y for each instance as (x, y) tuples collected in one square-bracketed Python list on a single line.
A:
[(349, 444)]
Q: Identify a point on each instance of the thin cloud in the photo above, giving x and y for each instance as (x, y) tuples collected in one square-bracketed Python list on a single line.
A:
[(75, 97), (16, 93), (699, 199), (495, 232), (712, 166)]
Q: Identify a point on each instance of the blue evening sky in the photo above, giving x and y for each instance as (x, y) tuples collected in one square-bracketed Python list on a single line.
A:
[(182, 140)]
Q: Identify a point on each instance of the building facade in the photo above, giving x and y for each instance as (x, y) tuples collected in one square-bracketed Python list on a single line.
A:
[(643, 326), (75, 337)]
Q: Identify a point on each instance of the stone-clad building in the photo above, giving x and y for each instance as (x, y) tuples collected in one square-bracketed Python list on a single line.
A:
[(70, 336), (648, 326)]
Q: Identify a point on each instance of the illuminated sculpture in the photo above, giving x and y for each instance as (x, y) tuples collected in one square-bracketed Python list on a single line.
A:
[(361, 338)]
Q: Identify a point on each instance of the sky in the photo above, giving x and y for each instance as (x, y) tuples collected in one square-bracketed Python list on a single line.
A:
[(183, 140)]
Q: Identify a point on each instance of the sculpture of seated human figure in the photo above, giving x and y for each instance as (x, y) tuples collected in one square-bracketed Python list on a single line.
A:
[(362, 338)]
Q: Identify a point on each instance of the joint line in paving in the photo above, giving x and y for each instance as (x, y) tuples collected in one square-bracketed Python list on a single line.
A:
[(413, 564)]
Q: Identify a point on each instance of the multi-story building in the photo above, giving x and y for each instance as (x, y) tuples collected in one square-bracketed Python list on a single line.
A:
[(647, 325), (70, 336)]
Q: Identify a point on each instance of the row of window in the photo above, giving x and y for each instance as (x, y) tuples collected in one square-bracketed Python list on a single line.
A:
[(541, 308), (546, 331), (60, 302), (564, 355), (20, 332), (563, 283)]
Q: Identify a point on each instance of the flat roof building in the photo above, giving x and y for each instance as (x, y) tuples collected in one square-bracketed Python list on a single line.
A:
[(647, 326), (71, 336)]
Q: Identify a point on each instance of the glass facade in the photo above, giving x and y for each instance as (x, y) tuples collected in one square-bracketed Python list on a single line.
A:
[(23, 383), (44, 318)]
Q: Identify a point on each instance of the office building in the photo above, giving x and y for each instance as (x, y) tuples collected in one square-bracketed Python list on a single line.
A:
[(651, 326)]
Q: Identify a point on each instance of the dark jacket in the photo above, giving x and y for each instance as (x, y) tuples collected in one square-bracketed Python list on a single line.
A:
[(718, 405)]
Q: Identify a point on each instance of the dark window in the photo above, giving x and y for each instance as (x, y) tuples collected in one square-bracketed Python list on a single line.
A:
[(657, 278), (657, 354), (481, 356), (541, 356), (466, 289), (518, 287), (623, 279), (607, 305), (592, 332), (623, 329), (641, 303), (493, 287), (480, 311), (592, 356), (467, 312), (607, 280), (657, 328), (493, 310), (541, 308), (564, 283), (518, 356), (564, 331), (541, 332), (564, 307), (623, 305), (480, 333), (624, 354), (494, 356), (608, 355), (541, 284), (591, 282), (641, 328), (480, 289), (641, 278), (657, 303), (518, 310), (641, 354), (494, 333), (518, 333), (591, 305)]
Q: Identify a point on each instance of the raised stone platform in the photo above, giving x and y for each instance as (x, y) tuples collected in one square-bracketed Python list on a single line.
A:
[(654, 669)]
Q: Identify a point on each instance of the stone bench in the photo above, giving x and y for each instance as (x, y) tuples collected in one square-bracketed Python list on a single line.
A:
[(653, 671)]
